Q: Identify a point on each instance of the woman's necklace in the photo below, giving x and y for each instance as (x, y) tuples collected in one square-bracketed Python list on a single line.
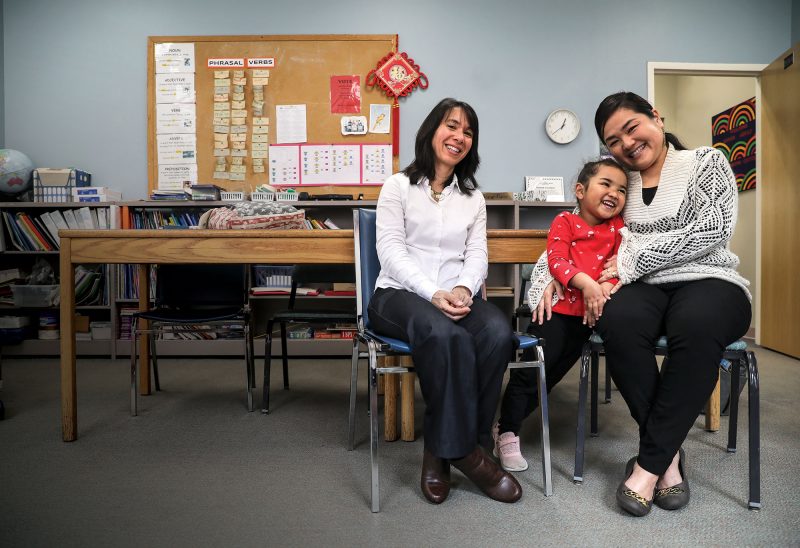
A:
[(436, 195)]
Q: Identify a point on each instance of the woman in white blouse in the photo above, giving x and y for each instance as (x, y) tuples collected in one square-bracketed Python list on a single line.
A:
[(431, 240)]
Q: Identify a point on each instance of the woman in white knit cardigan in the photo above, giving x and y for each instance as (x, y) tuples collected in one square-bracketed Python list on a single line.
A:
[(677, 278)]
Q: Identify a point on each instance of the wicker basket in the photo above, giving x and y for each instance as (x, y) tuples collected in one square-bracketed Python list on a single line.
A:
[(227, 196)]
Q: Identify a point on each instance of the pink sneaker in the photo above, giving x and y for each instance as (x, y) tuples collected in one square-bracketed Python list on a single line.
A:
[(506, 448)]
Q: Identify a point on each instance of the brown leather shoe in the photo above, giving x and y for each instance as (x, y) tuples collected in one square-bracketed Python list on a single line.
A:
[(495, 482), (435, 480)]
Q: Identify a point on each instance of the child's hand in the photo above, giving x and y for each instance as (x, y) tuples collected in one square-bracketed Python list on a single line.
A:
[(594, 298)]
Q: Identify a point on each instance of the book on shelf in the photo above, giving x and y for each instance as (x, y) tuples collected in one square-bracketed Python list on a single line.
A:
[(339, 293), (206, 192), (278, 290), (71, 220), (9, 275), (37, 240), (170, 195), (50, 224), (96, 194), (330, 224)]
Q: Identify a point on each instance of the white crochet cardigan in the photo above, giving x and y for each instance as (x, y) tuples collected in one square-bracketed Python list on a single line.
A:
[(683, 234)]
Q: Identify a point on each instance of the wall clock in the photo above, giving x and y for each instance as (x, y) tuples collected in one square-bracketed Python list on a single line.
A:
[(562, 126)]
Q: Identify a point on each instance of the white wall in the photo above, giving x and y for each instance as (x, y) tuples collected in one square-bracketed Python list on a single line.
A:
[(75, 71), (690, 102)]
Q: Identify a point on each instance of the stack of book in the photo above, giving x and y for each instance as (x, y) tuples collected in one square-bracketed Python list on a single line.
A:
[(96, 194), (9, 277), (90, 286), (125, 320), (169, 195), (206, 192)]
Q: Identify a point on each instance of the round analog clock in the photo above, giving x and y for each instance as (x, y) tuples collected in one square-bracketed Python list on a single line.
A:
[(562, 126)]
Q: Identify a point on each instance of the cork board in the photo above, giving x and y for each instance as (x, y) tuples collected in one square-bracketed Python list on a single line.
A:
[(303, 67)]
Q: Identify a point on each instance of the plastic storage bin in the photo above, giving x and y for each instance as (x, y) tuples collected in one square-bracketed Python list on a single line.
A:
[(36, 295), (55, 185)]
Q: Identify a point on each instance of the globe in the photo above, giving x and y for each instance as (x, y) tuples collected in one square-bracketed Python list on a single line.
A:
[(15, 172)]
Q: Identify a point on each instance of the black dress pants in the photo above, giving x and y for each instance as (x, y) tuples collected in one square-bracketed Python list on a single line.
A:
[(564, 337), (460, 365), (699, 318)]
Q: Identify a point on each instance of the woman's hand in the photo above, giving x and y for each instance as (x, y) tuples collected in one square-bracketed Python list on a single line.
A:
[(544, 310), (463, 294), (595, 296), (610, 270), (450, 304)]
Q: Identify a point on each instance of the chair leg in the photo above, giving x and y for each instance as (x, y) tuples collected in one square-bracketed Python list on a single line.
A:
[(351, 419), (375, 502), (580, 433), (593, 394), (544, 416), (134, 370), (248, 364), (267, 368), (154, 357), (284, 357), (733, 406), (753, 383), (608, 384)]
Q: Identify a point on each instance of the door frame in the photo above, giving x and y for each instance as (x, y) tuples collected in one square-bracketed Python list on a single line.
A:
[(724, 69)]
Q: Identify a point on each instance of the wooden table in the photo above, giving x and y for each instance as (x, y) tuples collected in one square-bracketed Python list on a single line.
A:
[(146, 247)]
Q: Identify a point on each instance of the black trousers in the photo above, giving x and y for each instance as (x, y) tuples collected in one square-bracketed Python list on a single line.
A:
[(564, 337), (460, 365), (699, 318)]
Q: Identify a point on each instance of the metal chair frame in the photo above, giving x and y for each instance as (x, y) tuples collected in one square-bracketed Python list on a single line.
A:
[(200, 321), (734, 356), (378, 345)]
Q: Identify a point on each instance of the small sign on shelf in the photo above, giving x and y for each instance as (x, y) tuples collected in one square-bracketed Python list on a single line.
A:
[(543, 189)]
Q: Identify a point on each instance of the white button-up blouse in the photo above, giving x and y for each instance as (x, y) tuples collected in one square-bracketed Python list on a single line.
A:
[(425, 245)]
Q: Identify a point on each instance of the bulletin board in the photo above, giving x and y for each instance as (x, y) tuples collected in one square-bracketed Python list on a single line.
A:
[(301, 75)]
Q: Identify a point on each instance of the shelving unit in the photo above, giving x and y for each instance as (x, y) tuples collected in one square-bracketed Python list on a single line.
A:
[(10, 257), (506, 214)]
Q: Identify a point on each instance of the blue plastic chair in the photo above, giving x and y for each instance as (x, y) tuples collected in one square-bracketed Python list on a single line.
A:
[(735, 355), (367, 269)]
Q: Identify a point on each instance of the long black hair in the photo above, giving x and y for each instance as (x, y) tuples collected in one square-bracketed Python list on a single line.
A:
[(425, 158), (631, 101)]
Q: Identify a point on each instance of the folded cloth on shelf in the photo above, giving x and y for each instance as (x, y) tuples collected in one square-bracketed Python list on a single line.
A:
[(278, 216)]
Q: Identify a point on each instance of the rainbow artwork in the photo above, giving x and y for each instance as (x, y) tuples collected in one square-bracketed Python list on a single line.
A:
[(733, 132)]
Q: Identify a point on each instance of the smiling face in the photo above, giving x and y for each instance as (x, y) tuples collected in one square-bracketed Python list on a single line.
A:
[(451, 142), (603, 196), (636, 140)]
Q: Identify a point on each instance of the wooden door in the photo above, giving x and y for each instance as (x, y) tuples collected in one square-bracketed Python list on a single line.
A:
[(779, 144)]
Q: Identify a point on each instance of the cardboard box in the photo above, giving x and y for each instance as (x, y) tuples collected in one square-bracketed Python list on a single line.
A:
[(81, 323)]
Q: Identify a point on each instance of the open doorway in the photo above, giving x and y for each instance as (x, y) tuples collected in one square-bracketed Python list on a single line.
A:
[(687, 96)]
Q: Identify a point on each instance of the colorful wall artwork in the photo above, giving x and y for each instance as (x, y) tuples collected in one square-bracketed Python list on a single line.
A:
[(733, 132)]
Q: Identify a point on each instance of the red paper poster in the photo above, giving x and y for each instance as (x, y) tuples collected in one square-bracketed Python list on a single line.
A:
[(346, 94)]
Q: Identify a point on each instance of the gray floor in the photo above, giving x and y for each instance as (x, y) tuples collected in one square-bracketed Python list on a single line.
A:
[(194, 468)]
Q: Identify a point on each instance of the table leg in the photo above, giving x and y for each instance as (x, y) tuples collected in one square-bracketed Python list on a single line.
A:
[(69, 397), (144, 340), (712, 410)]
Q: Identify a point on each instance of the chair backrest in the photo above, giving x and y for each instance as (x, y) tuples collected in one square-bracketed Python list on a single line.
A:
[(201, 285), (367, 264)]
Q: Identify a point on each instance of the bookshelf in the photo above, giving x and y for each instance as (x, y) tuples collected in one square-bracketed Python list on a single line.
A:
[(505, 278), (29, 243)]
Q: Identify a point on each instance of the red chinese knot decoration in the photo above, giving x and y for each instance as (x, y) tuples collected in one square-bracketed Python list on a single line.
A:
[(397, 75)]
